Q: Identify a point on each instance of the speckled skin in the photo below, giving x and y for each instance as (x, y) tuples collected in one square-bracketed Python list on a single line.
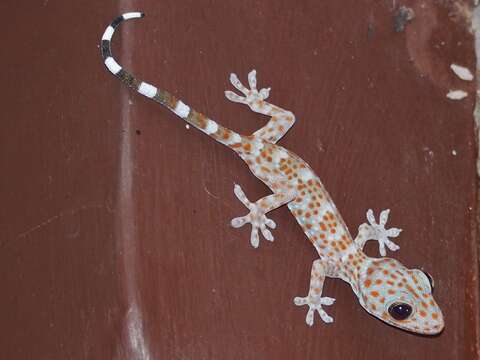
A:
[(378, 283)]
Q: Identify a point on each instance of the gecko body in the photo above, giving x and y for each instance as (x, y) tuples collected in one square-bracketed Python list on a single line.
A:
[(385, 288)]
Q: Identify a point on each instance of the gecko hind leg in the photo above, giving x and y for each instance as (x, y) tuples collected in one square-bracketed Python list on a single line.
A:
[(257, 216), (281, 120), (314, 300)]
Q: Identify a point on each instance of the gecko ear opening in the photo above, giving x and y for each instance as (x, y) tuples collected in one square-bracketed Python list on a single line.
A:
[(426, 279)]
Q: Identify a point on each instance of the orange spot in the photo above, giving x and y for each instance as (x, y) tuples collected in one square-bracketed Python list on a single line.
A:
[(382, 300), (391, 292), (422, 313), (374, 308), (434, 316), (378, 281), (389, 282), (367, 283), (414, 293), (202, 123), (374, 293)]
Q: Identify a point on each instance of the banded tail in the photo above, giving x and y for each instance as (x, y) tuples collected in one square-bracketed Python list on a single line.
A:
[(196, 119)]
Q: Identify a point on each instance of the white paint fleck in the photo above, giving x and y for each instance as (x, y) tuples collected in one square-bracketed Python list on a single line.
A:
[(211, 127), (132, 15), (112, 65), (181, 110), (462, 72), (107, 35), (454, 152), (148, 90), (187, 127), (456, 94)]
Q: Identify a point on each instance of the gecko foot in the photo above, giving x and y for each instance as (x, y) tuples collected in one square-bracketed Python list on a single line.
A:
[(315, 304), (256, 217), (253, 98), (374, 231)]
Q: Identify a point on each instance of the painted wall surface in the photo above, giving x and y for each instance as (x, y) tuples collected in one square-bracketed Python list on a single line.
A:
[(115, 238)]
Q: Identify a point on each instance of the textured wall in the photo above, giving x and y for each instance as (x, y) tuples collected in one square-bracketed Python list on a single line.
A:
[(115, 239)]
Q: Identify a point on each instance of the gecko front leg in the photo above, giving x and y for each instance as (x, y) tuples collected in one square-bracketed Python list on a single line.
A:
[(314, 299), (258, 209), (281, 120), (374, 231)]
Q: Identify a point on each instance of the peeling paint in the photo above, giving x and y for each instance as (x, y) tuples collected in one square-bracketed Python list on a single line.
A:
[(402, 16)]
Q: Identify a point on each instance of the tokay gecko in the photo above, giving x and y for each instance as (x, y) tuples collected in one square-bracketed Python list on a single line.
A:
[(385, 288)]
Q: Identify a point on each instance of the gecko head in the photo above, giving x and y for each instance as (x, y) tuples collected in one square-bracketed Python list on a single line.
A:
[(399, 296)]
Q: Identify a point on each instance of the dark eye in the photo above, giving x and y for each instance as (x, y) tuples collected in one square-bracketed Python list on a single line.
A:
[(400, 311), (430, 279)]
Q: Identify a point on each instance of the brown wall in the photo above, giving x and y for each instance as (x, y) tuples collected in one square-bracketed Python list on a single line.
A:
[(115, 239)]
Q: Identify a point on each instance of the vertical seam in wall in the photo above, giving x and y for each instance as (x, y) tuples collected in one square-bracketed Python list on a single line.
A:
[(133, 330), (475, 231)]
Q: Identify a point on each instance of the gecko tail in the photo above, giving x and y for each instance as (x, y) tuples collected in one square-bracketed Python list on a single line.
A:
[(194, 118)]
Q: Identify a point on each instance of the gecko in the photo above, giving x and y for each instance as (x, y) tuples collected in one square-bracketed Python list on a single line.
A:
[(385, 288)]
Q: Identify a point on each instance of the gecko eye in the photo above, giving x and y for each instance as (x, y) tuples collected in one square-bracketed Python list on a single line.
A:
[(400, 311), (430, 279)]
